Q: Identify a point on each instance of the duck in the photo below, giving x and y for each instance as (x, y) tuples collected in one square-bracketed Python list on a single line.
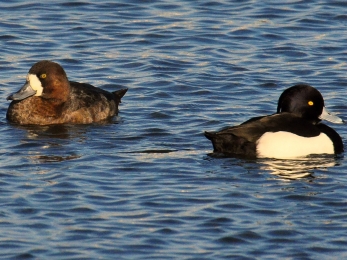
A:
[(294, 131), (48, 97)]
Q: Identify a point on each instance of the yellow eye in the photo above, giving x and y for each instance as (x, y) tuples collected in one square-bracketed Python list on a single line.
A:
[(310, 103), (43, 76)]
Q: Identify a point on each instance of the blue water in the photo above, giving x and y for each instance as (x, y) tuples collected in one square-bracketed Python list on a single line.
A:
[(143, 186)]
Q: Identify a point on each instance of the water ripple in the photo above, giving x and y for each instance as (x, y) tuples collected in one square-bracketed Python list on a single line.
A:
[(142, 185)]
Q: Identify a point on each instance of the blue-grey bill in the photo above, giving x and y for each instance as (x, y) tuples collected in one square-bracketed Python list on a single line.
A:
[(326, 115), (24, 92)]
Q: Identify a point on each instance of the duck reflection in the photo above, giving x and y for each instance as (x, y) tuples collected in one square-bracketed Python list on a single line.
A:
[(47, 144), (52, 158), (53, 131), (298, 168)]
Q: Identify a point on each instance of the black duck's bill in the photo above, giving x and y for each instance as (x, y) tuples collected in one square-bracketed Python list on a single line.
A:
[(326, 115)]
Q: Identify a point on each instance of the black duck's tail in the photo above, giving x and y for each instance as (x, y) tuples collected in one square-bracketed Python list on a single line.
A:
[(230, 144)]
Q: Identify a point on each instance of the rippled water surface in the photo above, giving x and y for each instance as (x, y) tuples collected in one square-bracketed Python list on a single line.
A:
[(143, 185)]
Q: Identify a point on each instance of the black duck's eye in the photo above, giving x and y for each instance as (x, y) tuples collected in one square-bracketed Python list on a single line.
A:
[(43, 76), (310, 103)]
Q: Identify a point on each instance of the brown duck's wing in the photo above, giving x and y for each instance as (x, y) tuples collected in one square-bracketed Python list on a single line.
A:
[(90, 104), (87, 89), (88, 93)]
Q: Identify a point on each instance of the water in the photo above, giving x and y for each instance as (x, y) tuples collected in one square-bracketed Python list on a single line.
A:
[(143, 186)]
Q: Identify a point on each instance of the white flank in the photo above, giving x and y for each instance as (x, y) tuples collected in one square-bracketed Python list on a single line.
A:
[(285, 145), (35, 84)]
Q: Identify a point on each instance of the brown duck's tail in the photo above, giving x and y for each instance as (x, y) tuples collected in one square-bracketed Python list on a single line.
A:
[(212, 137), (209, 135), (120, 93)]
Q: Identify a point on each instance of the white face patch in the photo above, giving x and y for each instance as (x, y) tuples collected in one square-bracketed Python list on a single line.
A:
[(285, 145), (35, 84)]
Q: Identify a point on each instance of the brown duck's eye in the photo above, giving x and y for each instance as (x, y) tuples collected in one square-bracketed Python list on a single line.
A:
[(310, 103), (43, 76)]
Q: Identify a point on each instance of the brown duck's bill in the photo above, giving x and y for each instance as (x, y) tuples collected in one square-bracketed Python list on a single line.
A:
[(24, 92)]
